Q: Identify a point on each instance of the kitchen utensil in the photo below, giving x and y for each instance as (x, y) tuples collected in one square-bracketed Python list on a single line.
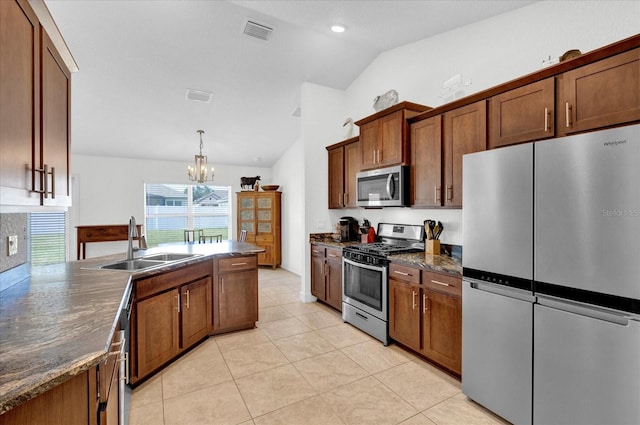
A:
[(440, 227), (428, 227)]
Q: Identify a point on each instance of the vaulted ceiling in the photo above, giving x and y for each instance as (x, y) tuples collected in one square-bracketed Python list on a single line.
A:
[(137, 60)]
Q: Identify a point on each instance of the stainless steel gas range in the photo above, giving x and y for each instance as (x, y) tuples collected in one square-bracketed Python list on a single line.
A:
[(365, 276)]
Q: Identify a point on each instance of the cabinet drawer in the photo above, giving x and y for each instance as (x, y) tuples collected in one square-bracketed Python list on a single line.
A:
[(442, 283), (334, 254), (172, 279), (264, 238), (237, 263), (317, 251), (404, 273)]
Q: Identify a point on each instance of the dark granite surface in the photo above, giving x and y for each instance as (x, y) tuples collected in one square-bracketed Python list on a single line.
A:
[(61, 320), (438, 263)]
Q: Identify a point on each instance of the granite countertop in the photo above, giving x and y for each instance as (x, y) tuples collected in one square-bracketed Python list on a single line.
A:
[(60, 321), (437, 263)]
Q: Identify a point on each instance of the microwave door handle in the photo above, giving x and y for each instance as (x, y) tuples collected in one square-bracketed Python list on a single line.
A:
[(391, 187)]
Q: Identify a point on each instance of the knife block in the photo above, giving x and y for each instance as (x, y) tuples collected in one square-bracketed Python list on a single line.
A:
[(432, 247)]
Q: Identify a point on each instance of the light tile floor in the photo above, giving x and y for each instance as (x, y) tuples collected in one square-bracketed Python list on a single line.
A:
[(301, 366)]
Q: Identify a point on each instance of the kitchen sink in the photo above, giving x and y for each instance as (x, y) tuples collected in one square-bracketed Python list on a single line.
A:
[(144, 263), (137, 264), (169, 257)]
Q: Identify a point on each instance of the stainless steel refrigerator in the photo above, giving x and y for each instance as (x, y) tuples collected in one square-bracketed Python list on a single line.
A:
[(551, 264)]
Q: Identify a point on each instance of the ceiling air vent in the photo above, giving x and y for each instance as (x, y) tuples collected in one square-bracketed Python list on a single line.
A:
[(256, 30), (199, 96)]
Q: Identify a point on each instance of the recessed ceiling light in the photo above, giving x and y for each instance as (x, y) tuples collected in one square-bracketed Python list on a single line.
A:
[(338, 28)]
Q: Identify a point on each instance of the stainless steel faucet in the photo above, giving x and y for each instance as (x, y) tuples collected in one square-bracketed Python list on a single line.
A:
[(133, 233)]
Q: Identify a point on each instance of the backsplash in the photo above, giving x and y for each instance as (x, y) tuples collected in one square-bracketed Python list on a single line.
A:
[(13, 224)]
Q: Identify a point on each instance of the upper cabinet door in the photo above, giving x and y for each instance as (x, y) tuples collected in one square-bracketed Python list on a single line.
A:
[(523, 114), (464, 131), (336, 177), (426, 162), (19, 97), (601, 94), (55, 142)]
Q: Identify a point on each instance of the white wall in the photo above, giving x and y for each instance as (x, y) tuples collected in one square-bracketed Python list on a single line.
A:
[(490, 53), (110, 190), (288, 172)]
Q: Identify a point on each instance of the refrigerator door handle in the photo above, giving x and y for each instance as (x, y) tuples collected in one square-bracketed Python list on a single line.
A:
[(503, 290), (593, 312)]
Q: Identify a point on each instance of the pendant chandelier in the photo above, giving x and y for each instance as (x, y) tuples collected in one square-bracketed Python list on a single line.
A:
[(200, 172)]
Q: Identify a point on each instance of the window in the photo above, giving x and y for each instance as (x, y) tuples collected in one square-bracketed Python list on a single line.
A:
[(170, 209), (47, 236)]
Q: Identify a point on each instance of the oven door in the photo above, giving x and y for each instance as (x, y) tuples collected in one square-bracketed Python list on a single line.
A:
[(365, 287)]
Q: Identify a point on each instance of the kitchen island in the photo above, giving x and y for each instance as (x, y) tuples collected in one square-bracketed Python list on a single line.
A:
[(60, 322)]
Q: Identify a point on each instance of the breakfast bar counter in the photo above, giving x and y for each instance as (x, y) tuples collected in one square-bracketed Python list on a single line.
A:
[(60, 321)]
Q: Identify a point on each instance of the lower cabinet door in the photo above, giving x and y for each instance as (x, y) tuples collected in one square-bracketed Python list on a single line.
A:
[(158, 331), (404, 313), (442, 329), (317, 277), (334, 284), (237, 295), (196, 311)]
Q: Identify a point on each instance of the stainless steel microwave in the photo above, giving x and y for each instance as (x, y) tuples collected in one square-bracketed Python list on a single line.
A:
[(384, 187)]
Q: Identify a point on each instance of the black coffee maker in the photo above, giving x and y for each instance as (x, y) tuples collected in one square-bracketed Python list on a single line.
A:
[(349, 229)]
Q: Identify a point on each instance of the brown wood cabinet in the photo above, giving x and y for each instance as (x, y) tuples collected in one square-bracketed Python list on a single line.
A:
[(442, 319), (326, 275), (425, 314), (235, 293), (157, 331), (109, 373), (384, 136), (600, 94), (437, 146), (196, 311), (35, 113), (426, 162), (523, 114), (259, 214), (344, 163), (73, 402), (171, 312), (464, 131), (404, 306)]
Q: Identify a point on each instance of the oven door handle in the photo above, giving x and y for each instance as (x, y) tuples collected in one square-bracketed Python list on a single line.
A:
[(364, 266)]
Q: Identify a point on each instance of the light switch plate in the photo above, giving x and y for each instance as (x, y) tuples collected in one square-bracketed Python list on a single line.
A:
[(12, 242)]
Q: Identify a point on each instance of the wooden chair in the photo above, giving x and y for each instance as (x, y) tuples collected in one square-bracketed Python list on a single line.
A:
[(243, 236), (203, 238)]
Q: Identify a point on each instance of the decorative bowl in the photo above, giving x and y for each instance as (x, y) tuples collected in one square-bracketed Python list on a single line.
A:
[(269, 187)]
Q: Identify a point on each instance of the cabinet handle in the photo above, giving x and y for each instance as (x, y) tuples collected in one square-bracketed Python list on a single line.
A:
[(332, 255), (402, 273), (315, 251), (440, 283), (567, 111), (238, 264), (178, 298), (187, 305), (344, 199), (379, 156), (413, 299), (44, 181), (374, 156), (438, 189), (425, 300), (450, 193), (546, 120), (222, 285)]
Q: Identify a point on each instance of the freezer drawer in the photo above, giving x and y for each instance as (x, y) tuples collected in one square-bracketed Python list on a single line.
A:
[(586, 370), (497, 337)]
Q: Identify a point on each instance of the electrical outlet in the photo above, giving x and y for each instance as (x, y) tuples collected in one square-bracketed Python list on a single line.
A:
[(12, 244)]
